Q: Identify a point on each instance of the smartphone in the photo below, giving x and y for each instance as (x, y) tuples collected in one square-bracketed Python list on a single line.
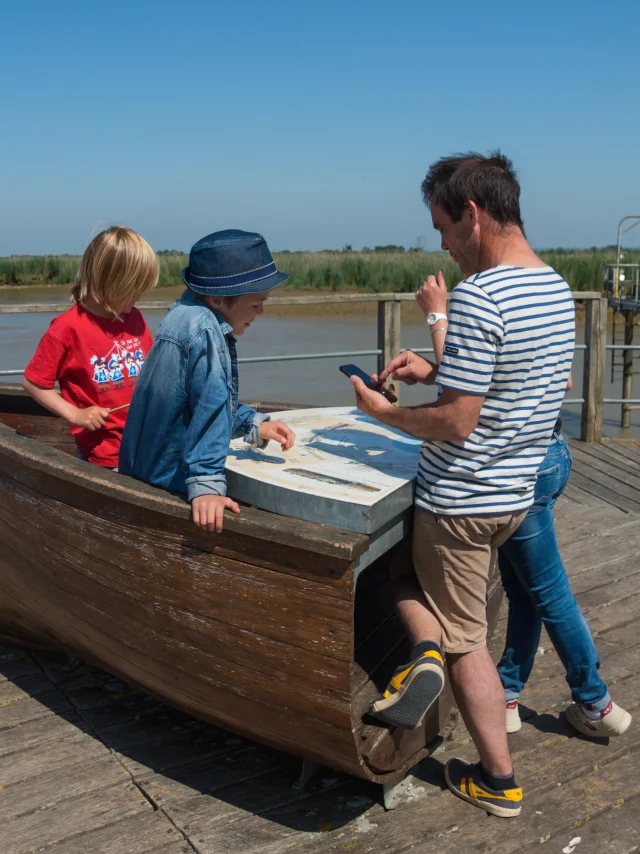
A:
[(374, 385)]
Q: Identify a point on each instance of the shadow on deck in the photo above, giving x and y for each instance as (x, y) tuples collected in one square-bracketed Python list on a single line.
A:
[(89, 765)]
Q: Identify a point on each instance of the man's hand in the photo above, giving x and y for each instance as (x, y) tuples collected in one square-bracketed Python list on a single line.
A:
[(409, 368), (279, 432), (432, 295), (208, 511), (92, 418), (370, 402)]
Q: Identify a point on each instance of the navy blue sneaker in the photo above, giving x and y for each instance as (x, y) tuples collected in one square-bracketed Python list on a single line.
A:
[(464, 779), (413, 689)]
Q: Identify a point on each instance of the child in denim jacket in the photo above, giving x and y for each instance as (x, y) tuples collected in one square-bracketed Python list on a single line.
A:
[(185, 406)]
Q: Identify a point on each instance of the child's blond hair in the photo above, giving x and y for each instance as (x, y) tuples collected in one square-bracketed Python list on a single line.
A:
[(117, 268)]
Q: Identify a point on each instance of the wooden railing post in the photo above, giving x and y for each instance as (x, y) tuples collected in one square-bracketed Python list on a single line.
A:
[(595, 337), (389, 321), (627, 374)]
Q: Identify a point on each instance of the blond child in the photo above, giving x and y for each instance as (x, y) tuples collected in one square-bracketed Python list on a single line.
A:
[(95, 350)]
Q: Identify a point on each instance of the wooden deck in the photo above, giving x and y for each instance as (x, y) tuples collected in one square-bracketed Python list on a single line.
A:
[(88, 766)]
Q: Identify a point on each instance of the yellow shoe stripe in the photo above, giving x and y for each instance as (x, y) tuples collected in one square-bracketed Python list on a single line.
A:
[(396, 681), (463, 785), (514, 795)]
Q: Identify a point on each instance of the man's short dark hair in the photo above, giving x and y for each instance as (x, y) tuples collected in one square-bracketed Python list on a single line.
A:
[(490, 182)]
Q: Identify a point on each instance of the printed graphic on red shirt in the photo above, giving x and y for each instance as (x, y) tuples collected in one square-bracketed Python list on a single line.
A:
[(96, 361), (120, 366)]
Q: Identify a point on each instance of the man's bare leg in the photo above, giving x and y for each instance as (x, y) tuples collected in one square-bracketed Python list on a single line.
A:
[(415, 685), (480, 698), (411, 607)]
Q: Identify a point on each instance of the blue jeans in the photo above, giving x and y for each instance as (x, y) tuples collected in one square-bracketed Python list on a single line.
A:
[(538, 592)]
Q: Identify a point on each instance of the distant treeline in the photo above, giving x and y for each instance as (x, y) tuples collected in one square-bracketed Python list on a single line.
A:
[(388, 268)]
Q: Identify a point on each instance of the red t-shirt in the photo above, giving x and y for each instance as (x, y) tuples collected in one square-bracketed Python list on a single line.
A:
[(96, 361)]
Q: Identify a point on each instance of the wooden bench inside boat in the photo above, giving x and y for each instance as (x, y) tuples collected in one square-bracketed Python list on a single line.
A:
[(263, 629)]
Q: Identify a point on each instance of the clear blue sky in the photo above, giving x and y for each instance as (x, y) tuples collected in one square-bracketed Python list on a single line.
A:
[(313, 123)]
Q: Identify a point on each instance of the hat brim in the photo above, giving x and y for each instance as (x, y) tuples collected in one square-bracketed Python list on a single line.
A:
[(256, 287)]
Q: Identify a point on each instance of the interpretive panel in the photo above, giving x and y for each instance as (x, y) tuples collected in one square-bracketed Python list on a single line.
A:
[(345, 470)]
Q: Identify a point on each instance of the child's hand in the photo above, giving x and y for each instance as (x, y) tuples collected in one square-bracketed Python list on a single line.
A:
[(208, 511), (432, 295), (279, 432), (92, 418)]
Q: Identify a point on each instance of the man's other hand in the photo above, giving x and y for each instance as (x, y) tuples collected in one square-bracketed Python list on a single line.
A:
[(432, 295), (408, 368)]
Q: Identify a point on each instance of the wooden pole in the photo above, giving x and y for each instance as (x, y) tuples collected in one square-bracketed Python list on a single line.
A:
[(627, 374), (595, 337), (389, 321)]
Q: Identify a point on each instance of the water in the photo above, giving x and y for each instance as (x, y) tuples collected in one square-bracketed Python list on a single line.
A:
[(316, 382)]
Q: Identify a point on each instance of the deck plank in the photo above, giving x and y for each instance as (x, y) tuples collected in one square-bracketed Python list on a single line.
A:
[(72, 817), (144, 833)]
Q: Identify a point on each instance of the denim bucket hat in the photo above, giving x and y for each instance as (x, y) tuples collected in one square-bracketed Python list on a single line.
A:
[(229, 263)]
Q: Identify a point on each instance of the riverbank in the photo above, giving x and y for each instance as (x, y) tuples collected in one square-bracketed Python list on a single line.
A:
[(373, 271)]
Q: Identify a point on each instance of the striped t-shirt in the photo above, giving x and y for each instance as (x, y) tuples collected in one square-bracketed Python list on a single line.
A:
[(510, 338)]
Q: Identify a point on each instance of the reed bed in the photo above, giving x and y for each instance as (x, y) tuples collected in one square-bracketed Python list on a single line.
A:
[(374, 272)]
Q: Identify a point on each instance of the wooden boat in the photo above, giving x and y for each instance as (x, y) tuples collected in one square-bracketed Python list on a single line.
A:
[(262, 629)]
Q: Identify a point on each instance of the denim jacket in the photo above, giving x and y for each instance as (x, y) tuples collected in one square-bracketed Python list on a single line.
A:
[(184, 409)]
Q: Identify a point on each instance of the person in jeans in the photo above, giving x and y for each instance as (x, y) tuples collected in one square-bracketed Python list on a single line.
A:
[(506, 360), (538, 590), (536, 582)]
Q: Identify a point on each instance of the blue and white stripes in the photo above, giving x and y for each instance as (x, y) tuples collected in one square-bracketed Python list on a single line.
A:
[(510, 339)]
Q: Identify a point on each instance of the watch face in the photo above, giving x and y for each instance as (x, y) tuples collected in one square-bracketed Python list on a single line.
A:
[(431, 318)]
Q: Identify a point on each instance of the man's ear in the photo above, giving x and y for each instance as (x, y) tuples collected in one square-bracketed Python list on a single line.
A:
[(215, 302), (473, 212)]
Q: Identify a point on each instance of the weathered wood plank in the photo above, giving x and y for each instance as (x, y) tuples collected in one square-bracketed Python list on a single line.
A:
[(144, 833), (210, 775), (49, 789), (30, 685), (15, 662), (615, 456), (43, 730), (584, 797), (606, 489), (68, 751), (623, 480), (26, 709), (213, 822), (70, 818), (607, 617), (616, 831)]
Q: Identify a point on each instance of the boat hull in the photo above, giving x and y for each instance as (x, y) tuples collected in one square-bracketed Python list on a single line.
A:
[(262, 629)]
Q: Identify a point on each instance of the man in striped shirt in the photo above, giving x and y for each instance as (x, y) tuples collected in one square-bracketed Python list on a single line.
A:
[(506, 362)]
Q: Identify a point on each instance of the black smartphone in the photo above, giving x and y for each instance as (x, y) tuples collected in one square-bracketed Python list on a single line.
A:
[(374, 385)]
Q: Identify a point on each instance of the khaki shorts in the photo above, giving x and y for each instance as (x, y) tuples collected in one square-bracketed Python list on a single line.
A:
[(453, 558)]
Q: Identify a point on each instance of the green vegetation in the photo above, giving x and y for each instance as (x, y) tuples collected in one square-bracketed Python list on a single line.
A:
[(382, 269)]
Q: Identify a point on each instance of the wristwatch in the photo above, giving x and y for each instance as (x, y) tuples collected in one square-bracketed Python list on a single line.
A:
[(434, 316)]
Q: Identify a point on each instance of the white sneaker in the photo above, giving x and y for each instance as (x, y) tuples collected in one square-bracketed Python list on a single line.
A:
[(613, 721), (513, 716)]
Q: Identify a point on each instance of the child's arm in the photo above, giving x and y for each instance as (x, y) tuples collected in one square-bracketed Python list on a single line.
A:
[(91, 418)]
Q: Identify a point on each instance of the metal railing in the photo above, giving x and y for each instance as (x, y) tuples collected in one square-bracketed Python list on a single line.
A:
[(389, 329)]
